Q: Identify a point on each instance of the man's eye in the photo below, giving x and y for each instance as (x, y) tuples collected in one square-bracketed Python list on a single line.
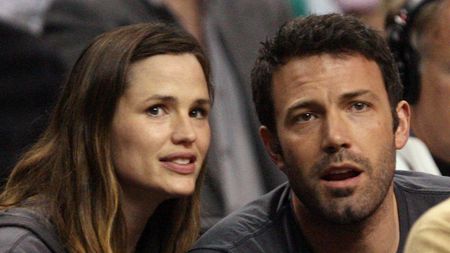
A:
[(359, 106), (156, 110), (304, 117)]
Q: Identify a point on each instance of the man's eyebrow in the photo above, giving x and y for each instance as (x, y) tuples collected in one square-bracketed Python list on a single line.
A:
[(306, 103), (358, 93)]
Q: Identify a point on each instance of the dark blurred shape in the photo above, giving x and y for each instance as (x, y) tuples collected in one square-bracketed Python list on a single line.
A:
[(30, 74)]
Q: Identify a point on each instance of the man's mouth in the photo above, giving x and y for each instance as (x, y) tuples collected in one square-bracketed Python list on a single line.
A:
[(341, 176), (337, 174)]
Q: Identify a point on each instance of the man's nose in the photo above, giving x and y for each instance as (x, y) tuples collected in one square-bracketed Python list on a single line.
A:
[(336, 133)]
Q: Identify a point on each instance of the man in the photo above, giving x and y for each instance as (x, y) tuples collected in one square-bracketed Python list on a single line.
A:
[(419, 35), (327, 94)]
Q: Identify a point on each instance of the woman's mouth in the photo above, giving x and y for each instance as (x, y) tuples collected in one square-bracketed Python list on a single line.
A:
[(181, 163)]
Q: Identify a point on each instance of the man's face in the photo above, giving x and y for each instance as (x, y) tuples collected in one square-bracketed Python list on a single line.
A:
[(335, 137), (431, 114)]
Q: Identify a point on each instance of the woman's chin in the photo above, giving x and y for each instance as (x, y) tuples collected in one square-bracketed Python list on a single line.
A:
[(181, 190)]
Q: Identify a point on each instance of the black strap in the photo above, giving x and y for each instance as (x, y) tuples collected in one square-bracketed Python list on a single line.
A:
[(27, 220)]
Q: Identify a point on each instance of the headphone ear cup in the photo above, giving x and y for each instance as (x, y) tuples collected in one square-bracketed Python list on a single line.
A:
[(396, 40), (398, 27), (411, 74)]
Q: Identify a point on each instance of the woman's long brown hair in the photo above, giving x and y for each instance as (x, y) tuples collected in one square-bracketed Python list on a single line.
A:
[(71, 165)]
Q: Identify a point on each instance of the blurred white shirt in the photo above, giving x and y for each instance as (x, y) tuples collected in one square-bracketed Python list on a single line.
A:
[(415, 156)]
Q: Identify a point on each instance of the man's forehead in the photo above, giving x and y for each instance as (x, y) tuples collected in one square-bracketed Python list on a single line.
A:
[(310, 63), (298, 71), (327, 78)]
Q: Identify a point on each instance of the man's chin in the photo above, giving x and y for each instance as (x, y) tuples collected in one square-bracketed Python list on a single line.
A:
[(346, 216), (341, 192), (339, 210)]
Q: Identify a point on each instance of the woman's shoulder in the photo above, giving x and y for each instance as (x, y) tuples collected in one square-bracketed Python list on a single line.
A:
[(18, 239), (25, 230)]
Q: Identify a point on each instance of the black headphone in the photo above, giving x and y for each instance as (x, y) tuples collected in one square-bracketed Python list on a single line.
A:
[(398, 27)]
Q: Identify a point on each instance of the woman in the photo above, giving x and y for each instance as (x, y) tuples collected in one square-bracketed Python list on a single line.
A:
[(117, 168)]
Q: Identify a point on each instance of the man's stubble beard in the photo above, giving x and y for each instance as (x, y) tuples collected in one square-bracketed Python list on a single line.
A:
[(345, 206)]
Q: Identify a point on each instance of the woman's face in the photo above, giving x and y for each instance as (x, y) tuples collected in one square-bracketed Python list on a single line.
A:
[(160, 130)]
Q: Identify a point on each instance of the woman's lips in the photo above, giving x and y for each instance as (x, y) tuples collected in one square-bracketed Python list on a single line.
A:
[(182, 163)]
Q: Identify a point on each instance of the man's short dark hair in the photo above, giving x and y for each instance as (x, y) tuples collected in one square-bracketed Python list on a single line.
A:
[(333, 34)]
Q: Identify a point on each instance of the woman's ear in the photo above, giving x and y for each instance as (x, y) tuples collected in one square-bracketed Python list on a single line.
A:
[(272, 146), (402, 131)]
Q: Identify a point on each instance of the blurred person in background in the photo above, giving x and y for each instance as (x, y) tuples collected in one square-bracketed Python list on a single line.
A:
[(371, 12), (419, 36), (25, 15), (30, 77), (431, 233)]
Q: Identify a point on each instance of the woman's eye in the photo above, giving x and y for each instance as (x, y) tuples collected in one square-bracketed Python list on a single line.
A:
[(156, 110), (199, 113), (359, 106)]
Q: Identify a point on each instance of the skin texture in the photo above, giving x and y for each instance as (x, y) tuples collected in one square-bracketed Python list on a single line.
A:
[(160, 133), (333, 114), (431, 114)]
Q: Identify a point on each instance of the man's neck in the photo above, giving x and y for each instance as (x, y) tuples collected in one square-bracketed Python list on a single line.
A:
[(377, 233)]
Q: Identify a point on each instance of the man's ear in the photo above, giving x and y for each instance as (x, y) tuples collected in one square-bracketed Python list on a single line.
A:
[(272, 146), (402, 131)]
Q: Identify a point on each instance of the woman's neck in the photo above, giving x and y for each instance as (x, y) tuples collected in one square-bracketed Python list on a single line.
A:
[(138, 207)]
